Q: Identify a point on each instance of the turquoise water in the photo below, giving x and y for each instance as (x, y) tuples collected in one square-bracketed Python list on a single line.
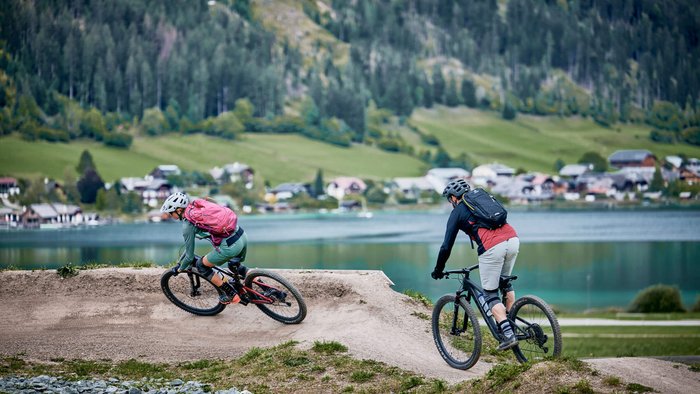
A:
[(575, 260)]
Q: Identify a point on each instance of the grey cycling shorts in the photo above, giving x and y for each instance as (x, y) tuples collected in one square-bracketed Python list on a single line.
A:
[(497, 261)]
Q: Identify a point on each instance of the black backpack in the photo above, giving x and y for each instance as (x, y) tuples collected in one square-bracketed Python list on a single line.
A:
[(486, 210)]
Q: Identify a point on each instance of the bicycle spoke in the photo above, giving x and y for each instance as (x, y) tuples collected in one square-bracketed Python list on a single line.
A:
[(537, 331), (276, 297), (194, 292), (457, 335)]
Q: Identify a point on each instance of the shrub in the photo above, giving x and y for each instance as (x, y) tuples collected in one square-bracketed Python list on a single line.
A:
[(696, 306), (67, 271), (665, 137), (691, 135), (658, 298)]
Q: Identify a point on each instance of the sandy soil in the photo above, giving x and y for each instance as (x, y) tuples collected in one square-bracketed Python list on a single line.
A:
[(120, 313)]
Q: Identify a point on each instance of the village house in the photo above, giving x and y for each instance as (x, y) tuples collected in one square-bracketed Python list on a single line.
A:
[(636, 158), (9, 217), (486, 174), (342, 186), (526, 188), (151, 190), (412, 188), (51, 215), (285, 191), (439, 177), (234, 172), (573, 171), (163, 171), (8, 187)]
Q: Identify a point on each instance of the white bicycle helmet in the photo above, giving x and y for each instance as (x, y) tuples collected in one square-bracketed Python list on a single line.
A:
[(175, 201)]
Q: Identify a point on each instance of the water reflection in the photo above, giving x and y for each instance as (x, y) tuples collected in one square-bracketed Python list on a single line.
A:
[(575, 260)]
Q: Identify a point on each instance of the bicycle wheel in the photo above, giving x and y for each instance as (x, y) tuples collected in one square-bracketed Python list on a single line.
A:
[(536, 328), (456, 332), (192, 292), (288, 306)]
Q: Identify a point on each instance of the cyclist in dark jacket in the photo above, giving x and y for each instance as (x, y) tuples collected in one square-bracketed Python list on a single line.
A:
[(497, 250)]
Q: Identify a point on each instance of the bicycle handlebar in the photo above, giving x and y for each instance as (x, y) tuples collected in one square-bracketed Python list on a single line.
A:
[(461, 271)]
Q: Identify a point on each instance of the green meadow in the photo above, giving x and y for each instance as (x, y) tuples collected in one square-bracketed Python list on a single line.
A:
[(277, 158), (531, 142)]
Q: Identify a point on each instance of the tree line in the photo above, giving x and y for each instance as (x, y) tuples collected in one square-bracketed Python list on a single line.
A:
[(95, 68)]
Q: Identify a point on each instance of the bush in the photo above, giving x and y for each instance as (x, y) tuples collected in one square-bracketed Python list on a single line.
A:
[(119, 140), (691, 135), (665, 137), (658, 298), (696, 306), (67, 271)]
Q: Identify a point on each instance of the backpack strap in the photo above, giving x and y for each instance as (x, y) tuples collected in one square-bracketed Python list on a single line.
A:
[(471, 238)]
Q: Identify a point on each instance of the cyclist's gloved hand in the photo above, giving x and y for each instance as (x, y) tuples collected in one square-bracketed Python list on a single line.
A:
[(176, 270), (437, 274)]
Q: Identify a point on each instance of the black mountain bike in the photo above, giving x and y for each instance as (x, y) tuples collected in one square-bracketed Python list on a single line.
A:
[(269, 291), (457, 332)]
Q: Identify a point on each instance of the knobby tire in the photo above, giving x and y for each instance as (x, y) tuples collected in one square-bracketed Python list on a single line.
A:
[(280, 311), (178, 290), (460, 351), (535, 311)]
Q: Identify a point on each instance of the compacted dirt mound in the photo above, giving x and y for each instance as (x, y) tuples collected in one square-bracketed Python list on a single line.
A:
[(121, 313)]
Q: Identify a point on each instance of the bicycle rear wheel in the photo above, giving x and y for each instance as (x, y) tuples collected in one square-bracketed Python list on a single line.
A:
[(456, 332), (288, 305), (191, 292), (536, 328)]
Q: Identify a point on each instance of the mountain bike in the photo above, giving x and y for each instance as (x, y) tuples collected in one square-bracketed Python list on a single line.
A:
[(457, 332), (269, 291)]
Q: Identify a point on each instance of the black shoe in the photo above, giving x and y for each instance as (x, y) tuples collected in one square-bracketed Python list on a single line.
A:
[(242, 270), (508, 343), (228, 294)]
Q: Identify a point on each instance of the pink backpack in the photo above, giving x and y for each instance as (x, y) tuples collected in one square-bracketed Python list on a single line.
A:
[(219, 221)]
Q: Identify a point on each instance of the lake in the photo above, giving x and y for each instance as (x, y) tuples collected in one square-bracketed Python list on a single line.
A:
[(575, 260)]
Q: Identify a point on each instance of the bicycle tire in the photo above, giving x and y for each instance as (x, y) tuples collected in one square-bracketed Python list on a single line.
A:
[(178, 289), (539, 314), (264, 283), (460, 351)]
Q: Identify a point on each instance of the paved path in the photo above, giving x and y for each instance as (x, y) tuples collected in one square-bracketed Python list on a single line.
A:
[(614, 322)]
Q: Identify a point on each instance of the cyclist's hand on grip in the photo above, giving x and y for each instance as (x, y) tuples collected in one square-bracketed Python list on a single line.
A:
[(437, 274), (176, 270)]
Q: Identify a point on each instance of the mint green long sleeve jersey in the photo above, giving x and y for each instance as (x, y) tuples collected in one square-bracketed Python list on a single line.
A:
[(189, 233)]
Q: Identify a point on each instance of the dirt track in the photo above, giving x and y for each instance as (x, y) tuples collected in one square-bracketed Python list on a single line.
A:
[(121, 313)]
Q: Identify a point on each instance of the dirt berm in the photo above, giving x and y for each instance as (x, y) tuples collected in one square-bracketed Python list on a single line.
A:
[(121, 313)]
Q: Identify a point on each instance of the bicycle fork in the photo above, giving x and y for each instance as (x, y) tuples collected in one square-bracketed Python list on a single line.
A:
[(455, 318)]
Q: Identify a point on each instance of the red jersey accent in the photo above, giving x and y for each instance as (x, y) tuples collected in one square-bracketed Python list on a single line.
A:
[(491, 238)]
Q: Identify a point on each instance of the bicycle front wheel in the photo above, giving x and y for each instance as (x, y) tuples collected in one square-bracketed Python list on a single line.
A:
[(456, 332), (536, 328), (286, 306), (192, 292)]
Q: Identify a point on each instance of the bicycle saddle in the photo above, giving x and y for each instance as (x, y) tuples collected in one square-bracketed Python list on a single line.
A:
[(505, 279)]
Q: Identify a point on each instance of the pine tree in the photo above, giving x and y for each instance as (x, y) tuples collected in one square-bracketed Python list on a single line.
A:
[(88, 186), (657, 181), (319, 187), (469, 93), (85, 162)]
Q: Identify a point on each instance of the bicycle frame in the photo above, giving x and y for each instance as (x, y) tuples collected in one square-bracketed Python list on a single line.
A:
[(475, 291), (247, 294)]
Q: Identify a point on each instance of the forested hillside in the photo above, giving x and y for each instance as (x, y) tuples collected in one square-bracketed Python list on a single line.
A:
[(338, 70)]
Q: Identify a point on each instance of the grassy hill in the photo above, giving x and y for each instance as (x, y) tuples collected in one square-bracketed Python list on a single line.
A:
[(532, 143), (277, 158)]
